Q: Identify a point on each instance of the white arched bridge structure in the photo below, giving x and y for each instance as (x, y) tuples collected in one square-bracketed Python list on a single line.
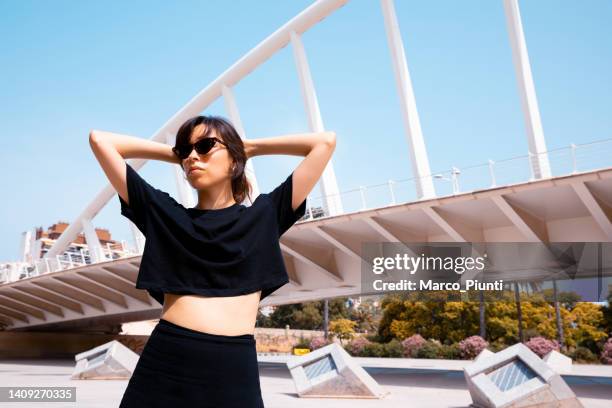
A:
[(545, 196)]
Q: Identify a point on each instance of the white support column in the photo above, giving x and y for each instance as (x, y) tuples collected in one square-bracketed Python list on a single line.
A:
[(328, 183), (412, 124), (93, 243), (535, 134), (231, 107)]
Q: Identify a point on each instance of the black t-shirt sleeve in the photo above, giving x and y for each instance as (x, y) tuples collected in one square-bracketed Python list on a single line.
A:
[(281, 198), (139, 194)]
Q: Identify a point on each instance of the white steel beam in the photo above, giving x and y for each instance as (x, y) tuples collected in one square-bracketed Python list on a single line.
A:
[(90, 299), (334, 275), (529, 102), (93, 243), (50, 295), (412, 124), (329, 186), (532, 228), (22, 307), (20, 297), (599, 209)]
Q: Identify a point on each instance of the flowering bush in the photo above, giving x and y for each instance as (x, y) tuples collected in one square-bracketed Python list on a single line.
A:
[(412, 344), (472, 346), (606, 352), (356, 346), (542, 346), (318, 342)]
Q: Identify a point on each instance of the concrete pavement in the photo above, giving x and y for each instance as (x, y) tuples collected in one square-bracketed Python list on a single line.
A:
[(409, 387)]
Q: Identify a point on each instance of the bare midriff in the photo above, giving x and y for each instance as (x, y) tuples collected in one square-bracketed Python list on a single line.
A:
[(230, 316)]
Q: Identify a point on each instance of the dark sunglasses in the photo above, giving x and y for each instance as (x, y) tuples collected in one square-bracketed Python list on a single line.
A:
[(202, 146)]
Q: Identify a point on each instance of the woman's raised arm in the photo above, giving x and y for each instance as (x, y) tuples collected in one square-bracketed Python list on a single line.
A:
[(318, 148), (111, 150)]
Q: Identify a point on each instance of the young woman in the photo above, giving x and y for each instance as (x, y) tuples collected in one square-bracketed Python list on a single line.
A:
[(210, 265)]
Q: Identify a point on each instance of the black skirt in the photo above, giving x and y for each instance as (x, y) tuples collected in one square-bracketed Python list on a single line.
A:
[(182, 367)]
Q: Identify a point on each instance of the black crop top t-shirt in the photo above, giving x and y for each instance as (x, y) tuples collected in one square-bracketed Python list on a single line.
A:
[(213, 252)]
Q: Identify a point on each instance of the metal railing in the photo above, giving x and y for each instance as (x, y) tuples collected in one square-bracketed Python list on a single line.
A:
[(14, 271), (567, 160)]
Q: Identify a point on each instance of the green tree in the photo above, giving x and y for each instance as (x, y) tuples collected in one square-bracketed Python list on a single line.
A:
[(587, 326), (566, 299), (308, 315), (283, 315), (365, 315), (337, 308), (343, 329), (434, 318)]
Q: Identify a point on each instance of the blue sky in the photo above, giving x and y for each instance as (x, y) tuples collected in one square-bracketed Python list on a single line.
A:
[(67, 67)]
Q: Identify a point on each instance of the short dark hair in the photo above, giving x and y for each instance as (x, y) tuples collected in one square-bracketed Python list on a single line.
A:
[(226, 131)]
